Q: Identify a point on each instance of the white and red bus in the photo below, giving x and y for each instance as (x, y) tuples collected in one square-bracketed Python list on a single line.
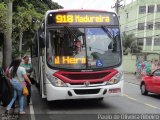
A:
[(77, 54)]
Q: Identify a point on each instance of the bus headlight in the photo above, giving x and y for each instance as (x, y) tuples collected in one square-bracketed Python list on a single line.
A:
[(115, 79), (56, 81)]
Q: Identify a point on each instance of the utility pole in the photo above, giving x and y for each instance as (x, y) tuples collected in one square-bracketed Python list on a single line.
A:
[(117, 5)]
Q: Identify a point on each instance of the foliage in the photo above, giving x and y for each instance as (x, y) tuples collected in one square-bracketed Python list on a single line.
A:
[(3, 24), (130, 44), (27, 17), (42, 6), (3, 17), (23, 18), (23, 21), (127, 40), (135, 48)]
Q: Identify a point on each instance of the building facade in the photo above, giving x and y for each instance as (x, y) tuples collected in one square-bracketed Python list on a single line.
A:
[(142, 18)]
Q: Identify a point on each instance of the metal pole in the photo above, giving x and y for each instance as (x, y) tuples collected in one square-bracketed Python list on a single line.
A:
[(116, 6)]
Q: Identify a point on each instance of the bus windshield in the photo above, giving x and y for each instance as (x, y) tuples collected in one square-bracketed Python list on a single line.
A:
[(83, 47)]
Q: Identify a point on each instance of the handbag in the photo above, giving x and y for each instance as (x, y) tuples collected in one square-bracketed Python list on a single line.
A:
[(24, 89)]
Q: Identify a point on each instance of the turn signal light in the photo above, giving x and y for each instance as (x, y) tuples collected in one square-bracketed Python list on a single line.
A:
[(115, 90)]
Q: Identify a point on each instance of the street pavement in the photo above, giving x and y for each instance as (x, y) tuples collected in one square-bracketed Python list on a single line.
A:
[(132, 103), (131, 78)]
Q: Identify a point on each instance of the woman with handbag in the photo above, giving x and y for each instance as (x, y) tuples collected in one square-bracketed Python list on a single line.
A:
[(28, 66), (18, 77)]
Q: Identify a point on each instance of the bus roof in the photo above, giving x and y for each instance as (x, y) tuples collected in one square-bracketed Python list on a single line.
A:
[(77, 10)]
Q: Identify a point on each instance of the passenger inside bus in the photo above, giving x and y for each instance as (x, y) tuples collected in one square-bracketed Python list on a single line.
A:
[(58, 42), (77, 46), (83, 43)]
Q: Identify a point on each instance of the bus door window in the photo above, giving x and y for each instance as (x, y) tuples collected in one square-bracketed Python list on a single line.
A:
[(58, 42), (77, 41)]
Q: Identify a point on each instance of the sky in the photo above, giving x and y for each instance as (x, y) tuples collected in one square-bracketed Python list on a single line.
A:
[(89, 4)]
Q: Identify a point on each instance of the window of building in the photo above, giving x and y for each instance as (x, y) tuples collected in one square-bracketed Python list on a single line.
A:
[(158, 8), (151, 9), (156, 41), (140, 26), (140, 41), (157, 25), (150, 26), (142, 9), (149, 41)]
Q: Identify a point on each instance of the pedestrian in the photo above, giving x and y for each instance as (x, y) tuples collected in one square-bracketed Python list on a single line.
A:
[(148, 67), (1, 74), (28, 67), (18, 77), (7, 75), (6, 89), (7, 70)]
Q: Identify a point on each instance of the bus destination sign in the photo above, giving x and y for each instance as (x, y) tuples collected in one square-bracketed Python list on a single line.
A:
[(82, 18)]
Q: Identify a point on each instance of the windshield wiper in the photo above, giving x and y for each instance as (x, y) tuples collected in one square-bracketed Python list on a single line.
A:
[(106, 30)]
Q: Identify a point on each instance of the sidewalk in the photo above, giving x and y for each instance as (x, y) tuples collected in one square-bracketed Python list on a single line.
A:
[(131, 78), (13, 114)]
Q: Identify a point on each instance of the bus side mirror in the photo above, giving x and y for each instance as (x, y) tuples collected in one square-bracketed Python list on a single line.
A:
[(42, 40)]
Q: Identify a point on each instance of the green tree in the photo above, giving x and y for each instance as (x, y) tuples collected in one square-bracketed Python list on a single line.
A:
[(130, 44), (3, 24), (26, 20), (3, 17), (23, 20), (23, 12)]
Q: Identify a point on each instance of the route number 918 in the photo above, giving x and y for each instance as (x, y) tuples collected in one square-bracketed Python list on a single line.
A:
[(64, 18)]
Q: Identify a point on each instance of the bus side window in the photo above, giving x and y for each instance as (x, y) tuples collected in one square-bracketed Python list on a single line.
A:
[(35, 47)]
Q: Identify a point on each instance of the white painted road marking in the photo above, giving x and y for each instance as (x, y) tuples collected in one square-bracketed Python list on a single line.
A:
[(131, 83), (151, 106), (130, 97), (32, 111), (146, 104)]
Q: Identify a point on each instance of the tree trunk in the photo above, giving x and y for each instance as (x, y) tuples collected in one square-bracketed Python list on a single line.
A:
[(7, 46), (20, 43)]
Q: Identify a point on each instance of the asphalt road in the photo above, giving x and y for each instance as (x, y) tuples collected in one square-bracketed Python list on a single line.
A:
[(130, 106), (131, 103)]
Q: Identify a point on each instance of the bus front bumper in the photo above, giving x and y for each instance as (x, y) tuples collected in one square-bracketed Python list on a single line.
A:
[(64, 93)]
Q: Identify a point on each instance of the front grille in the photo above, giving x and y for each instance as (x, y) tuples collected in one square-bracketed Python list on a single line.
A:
[(87, 91), (83, 83), (87, 76)]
